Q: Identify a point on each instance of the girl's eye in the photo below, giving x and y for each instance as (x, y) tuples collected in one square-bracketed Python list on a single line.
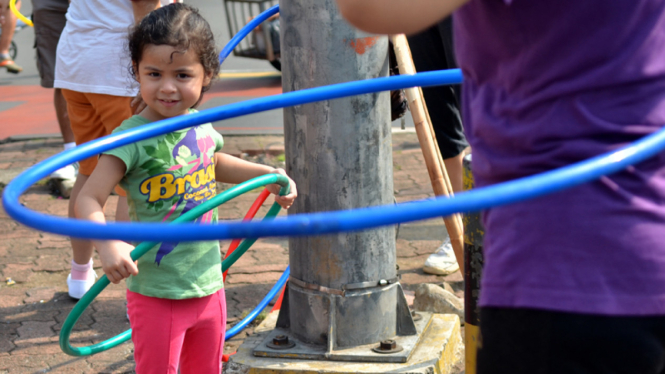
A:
[(183, 76), (153, 74)]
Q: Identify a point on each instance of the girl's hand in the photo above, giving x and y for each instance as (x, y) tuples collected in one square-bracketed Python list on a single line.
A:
[(116, 262), (287, 200)]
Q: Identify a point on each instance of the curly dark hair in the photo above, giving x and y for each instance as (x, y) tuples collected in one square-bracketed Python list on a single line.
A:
[(180, 26)]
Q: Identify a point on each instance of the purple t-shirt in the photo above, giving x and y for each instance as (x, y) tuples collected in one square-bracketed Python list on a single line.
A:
[(549, 83)]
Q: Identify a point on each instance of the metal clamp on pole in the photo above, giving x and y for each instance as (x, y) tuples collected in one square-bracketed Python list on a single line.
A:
[(346, 287), (315, 287), (370, 284)]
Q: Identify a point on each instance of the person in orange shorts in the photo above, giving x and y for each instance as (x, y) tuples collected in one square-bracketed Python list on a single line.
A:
[(92, 70)]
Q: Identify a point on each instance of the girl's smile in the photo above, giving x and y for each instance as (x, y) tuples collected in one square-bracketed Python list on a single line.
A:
[(171, 81)]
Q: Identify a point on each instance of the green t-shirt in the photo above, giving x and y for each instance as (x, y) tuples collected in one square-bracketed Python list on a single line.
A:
[(167, 176)]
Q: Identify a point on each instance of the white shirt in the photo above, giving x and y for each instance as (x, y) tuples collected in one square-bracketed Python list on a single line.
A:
[(92, 55)]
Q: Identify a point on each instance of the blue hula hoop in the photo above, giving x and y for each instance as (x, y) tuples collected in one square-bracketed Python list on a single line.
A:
[(251, 25), (316, 223)]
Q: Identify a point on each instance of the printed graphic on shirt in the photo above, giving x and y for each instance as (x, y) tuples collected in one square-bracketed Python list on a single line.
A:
[(181, 175)]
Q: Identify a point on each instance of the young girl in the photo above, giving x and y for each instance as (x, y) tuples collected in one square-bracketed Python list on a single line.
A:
[(175, 295)]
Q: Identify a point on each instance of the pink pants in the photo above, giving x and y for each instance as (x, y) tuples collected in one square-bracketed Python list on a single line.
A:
[(171, 334)]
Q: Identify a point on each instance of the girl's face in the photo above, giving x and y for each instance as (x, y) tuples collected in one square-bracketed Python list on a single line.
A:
[(170, 80)]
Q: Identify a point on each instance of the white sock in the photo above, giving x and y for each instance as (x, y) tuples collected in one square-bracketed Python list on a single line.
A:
[(69, 146)]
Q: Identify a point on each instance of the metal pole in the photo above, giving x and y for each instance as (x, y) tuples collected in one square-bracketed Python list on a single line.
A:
[(342, 291)]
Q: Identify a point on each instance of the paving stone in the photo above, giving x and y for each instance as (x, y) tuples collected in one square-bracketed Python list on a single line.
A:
[(7, 225), (50, 263), (425, 247), (257, 269), (122, 352), (40, 295), (409, 279), (25, 348), (109, 308), (44, 244), (6, 343), (23, 363), (53, 363), (7, 302), (269, 277), (10, 156), (404, 249), (247, 296), (8, 327), (456, 279), (126, 366), (21, 233), (106, 328), (32, 315), (34, 332), (82, 324), (114, 291), (20, 272)]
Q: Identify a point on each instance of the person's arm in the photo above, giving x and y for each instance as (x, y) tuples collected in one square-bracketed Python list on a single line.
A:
[(229, 169), (114, 254), (396, 16), (143, 7)]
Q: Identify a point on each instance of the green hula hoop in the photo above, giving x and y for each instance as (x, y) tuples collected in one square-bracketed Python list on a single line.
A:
[(142, 248)]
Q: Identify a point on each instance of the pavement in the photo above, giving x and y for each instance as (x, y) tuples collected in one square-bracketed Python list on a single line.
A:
[(34, 265)]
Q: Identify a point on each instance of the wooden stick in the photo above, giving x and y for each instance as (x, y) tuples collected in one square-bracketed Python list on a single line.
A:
[(433, 160), (444, 171)]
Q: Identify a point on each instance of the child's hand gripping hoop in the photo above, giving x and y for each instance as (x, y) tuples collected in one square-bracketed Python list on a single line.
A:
[(142, 248)]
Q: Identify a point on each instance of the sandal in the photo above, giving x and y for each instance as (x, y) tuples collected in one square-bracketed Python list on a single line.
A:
[(10, 65)]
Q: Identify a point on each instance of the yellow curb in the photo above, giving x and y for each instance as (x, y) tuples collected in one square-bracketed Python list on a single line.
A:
[(249, 74)]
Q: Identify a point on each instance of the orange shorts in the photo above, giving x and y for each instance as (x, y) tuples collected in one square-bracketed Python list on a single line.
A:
[(93, 116)]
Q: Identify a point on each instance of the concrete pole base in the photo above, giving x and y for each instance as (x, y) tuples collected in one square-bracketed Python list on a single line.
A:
[(438, 350)]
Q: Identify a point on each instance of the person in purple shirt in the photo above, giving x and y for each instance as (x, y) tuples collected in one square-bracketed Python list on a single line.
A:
[(574, 282)]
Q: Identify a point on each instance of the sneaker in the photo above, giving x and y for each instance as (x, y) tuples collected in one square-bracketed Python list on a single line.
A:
[(78, 288), (67, 172), (443, 261), (10, 65), (63, 179)]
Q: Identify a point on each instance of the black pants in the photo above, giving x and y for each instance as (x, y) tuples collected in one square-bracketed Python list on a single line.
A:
[(516, 341), (433, 50)]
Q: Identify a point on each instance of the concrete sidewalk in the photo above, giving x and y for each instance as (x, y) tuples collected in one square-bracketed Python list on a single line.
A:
[(34, 265)]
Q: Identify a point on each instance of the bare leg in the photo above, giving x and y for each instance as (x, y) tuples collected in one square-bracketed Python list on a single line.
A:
[(122, 210), (82, 249), (455, 169), (8, 19), (63, 118), (8, 25)]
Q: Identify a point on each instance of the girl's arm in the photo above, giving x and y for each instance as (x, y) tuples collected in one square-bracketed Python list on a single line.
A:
[(114, 254), (396, 16), (229, 169)]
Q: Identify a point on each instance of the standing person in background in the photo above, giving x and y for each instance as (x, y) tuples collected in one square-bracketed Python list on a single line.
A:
[(573, 282), (431, 50), (93, 70), (8, 22), (48, 17)]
